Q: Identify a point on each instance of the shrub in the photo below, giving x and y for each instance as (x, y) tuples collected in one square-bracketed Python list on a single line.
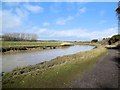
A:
[(94, 40)]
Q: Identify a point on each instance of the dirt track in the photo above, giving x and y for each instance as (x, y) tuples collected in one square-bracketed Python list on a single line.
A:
[(104, 74)]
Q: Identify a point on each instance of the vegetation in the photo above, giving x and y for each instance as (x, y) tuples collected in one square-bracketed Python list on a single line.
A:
[(104, 41), (87, 43), (16, 46), (94, 40), (109, 41), (114, 39), (59, 72), (19, 37), (8, 44)]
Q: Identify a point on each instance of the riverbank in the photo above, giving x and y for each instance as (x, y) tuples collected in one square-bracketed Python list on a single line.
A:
[(87, 43), (18, 46), (59, 72), (21, 46)]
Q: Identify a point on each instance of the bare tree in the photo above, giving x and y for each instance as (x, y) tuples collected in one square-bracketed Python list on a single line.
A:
[(20, 37)]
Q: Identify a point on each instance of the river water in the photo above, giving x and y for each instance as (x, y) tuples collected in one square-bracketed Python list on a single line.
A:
[(11, 61)]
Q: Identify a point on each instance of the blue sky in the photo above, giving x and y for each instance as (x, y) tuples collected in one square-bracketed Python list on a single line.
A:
[(61, 20)]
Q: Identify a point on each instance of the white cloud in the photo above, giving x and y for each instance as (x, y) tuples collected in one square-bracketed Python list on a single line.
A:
[(63, 21), (104, 33), (41, 30), (33, 8), (21, 12), (10, 20), (15, 18), (76, 33), (46, 24)]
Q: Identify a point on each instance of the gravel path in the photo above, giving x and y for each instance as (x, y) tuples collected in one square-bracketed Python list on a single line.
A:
[(104, 74)]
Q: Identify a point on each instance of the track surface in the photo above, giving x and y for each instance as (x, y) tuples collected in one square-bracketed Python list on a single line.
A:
[(104, 74)]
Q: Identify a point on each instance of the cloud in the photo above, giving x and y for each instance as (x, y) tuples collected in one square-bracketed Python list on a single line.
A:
[(104, 33), (10, 20), (33, 8), (46, 24), (76, 34), (15, 18), (63, 21), (21, 12)]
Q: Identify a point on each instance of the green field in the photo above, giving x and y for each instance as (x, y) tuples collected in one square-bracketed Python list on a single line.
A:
[(7, 44), (87, 43), (59, 72)]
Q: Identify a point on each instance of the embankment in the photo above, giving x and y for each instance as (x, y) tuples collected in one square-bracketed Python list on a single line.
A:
[(16, 46), (59, 72), (27, 48)]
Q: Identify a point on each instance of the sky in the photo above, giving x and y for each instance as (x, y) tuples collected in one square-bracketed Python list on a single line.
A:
[(76, 21)]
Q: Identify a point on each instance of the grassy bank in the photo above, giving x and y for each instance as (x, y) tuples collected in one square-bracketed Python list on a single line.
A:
[(18, 46), (7, 44), (59, 72), (87, 43)]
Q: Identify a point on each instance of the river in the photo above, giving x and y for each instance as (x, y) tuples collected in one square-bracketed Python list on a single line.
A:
[(11, 61)]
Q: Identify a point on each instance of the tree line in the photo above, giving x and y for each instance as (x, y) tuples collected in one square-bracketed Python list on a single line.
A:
[(19, 37)]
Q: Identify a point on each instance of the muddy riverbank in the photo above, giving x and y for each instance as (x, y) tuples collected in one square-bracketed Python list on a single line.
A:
[(29, 48)]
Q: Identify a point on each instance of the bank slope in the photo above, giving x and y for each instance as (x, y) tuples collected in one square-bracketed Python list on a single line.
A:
[(57, 73)]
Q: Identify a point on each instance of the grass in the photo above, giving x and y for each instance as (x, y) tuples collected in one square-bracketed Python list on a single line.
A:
[(59, 72), (87, 43), (8, 44)]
